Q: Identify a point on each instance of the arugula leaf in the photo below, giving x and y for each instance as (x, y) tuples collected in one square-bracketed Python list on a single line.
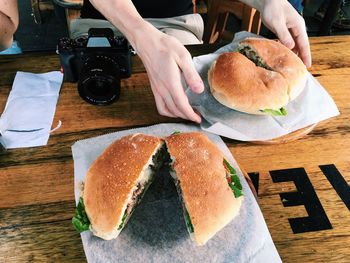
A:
[(176, 132), (235, 184), (80, 220), (188, 222), (123, 220), (229, 167), (281, 112)]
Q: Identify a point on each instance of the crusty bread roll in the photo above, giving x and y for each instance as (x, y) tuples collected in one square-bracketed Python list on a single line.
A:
[(200, 176), (263, 75), (115, 181)]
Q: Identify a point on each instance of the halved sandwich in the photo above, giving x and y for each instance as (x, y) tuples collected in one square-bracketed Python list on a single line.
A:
[(115, 184), (208, 186)]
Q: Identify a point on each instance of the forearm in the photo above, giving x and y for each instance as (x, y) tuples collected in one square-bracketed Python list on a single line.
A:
[(123, 15), (8, 22)]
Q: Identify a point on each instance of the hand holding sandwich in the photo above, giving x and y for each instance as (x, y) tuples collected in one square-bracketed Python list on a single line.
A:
[(282, 19), (165, 58)]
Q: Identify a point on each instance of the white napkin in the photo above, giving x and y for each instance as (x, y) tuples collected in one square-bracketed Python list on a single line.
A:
[(30, 108), (313, 105)]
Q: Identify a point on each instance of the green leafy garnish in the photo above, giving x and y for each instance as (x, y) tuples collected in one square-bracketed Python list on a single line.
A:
[(235, 184), (176, 132), (80, 220), (123, 220), (281, 112), (188, 222)]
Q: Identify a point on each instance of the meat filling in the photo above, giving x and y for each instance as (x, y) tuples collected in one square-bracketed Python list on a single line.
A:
[(142, 186), (134, 199), (253, 56)]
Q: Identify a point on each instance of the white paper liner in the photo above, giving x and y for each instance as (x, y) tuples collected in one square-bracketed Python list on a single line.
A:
[(156, 231)]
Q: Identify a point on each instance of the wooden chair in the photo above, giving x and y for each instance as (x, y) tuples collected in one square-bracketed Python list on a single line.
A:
[(72, 9), (218, 12)]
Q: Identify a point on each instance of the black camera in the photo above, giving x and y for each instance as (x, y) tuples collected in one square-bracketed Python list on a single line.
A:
[(97, 62)]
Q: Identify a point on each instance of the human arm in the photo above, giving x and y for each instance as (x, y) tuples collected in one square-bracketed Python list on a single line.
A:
[(8, 22), (282, 19), (163, 56)]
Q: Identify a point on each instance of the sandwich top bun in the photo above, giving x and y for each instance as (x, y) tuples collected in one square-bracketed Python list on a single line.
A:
[(112, 178), (264, 74), (201, 176)]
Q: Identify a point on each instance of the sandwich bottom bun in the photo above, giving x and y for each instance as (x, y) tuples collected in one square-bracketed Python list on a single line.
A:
[(263, 75)]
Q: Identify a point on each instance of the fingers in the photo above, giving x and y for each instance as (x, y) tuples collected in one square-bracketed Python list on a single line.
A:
[(169, 101), (161, 106), (302, 43), (284, 35), (166, 103), (281, 18), (172, 101), (181, 101), (191, 75), (165, 77)]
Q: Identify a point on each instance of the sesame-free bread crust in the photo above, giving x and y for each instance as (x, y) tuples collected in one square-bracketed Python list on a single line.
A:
[(209, 200), (282, 60), (238, 83), (112, 178)]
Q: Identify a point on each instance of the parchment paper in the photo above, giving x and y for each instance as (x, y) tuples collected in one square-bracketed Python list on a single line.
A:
[(313, 105), (156, 231)]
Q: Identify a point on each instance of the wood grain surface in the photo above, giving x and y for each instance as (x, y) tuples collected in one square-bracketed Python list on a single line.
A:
[(290, 137), (36, 189)]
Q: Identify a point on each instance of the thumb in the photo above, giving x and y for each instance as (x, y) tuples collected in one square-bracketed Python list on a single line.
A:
[(284, 35)]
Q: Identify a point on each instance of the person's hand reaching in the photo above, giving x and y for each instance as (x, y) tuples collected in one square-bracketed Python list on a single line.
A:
[(282, 19), (165, 60), (163, 56)]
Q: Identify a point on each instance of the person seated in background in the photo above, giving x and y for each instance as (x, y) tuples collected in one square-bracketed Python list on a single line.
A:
[(342, 20), (8, 22), (166, 59), (173, 18)]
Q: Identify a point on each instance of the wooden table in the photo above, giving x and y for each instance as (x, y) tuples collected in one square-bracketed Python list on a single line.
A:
[(303, 186)]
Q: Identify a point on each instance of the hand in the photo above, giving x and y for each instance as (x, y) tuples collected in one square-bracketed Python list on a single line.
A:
[(165, 59), (282, 19), (163, 56), (8, 22)]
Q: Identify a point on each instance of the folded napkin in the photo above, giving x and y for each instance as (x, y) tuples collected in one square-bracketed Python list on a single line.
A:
[(30, 108)]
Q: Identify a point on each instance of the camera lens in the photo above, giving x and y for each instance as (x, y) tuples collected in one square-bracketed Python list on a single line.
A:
[(99, 81)]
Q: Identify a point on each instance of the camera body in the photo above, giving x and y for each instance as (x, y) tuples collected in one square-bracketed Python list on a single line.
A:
[(97, 62)]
